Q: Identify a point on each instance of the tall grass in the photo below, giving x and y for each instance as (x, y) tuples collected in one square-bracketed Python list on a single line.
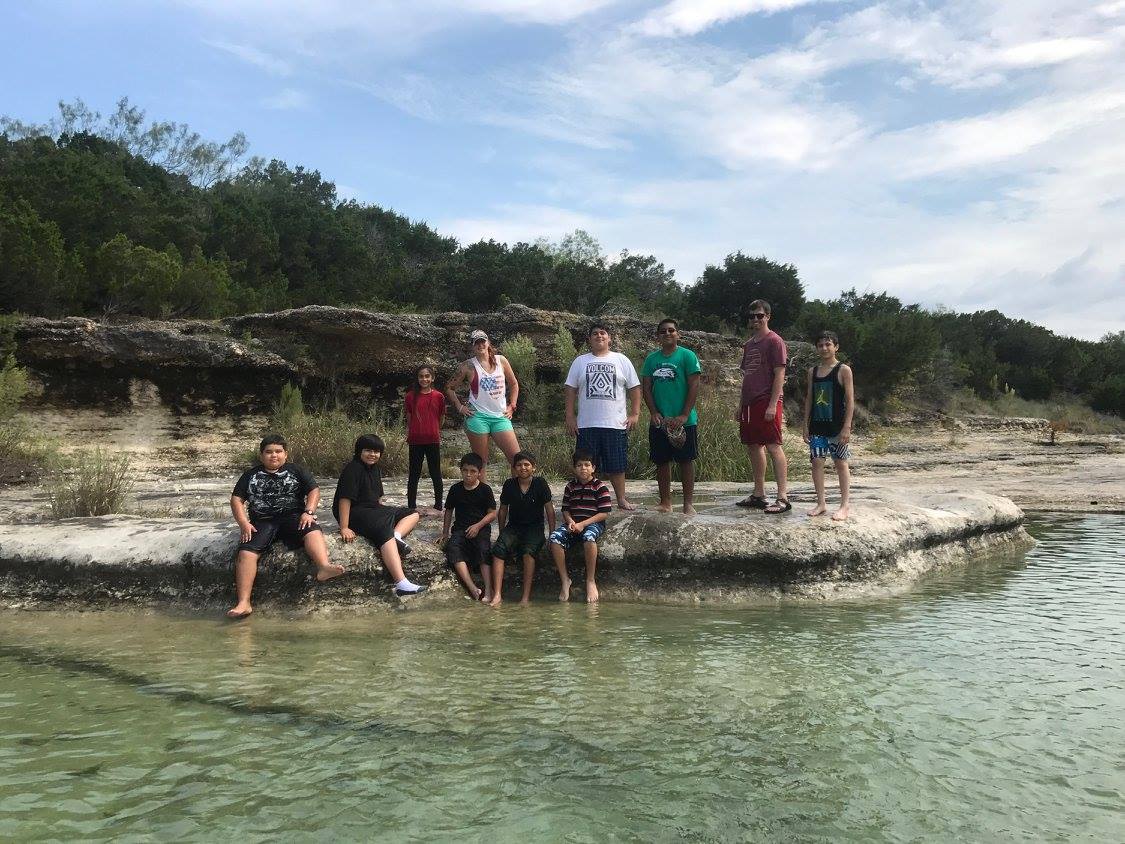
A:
[(94, 484), (324, 440), (23, 452)]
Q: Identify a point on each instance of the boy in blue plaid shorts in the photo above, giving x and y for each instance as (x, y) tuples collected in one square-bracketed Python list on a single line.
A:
[(585, 505), (829, 406)]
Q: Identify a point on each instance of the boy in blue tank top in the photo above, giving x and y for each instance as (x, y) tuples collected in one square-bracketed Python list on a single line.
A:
[(829, 405)]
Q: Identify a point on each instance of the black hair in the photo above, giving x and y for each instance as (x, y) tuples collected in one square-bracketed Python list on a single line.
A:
[(666, 320), (594, 326), (581, 455), (416, 388), (371, 441), (524, 455), (272, 439), (472, 459), (827, 335)]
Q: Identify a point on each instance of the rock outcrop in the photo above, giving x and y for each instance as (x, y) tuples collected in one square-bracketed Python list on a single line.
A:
[(240, 364), (725, 554)]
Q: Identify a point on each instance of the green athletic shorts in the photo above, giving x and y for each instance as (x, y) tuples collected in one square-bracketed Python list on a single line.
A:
[(486, 423)]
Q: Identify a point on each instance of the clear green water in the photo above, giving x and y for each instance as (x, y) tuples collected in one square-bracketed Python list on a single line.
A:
[(988, 704)]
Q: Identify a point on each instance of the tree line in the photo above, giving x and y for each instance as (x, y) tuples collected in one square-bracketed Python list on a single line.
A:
[(115, 217)]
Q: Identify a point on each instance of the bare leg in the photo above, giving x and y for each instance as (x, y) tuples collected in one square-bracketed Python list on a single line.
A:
[(758, 465), (818, 484), (462, 570), (664, 484), (486, 576), (506, 441), (590, 551), (497, 582), (845, 475), (317, 549), (407, 524), (479, 444), (687, 478), (392, 562), (617, 480), (245, 570), (558, 554), (528, 578), (780, 469)]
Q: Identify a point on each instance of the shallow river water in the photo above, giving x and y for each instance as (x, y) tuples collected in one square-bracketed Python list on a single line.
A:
[(986, 704)]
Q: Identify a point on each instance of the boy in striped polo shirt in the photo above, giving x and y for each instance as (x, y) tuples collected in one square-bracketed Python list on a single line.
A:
[(585, 503)]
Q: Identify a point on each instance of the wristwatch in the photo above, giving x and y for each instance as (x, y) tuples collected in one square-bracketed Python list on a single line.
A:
[(310, 512)]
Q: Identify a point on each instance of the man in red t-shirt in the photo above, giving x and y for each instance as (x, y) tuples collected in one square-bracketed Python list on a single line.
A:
[(759, 414)]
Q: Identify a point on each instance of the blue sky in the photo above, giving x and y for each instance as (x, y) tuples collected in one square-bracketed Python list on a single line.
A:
[(969, 154)]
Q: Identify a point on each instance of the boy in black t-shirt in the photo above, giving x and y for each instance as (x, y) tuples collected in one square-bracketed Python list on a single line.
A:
[(282, 499), (471, 507), (525, 501)]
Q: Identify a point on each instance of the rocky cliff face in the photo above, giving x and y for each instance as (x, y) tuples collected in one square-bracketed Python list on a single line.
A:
[(240, 364)]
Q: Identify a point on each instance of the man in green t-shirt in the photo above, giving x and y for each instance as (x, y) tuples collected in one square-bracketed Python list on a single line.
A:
[(670, 381)]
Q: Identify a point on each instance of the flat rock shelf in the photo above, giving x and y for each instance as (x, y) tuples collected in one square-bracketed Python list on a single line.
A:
[(725, 554)]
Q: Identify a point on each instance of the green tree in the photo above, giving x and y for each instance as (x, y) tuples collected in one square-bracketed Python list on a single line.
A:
[(135, 279), (723, 293)]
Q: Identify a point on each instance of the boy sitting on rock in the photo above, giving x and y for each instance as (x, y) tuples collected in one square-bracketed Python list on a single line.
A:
[(585, 504), (525, 502), (281, 498)]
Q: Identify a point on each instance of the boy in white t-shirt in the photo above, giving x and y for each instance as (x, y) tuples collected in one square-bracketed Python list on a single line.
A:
[(608, 394)]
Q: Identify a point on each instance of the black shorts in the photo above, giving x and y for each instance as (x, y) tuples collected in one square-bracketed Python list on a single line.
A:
[(660, 451), (377, 524), (519, 540), (286, 527), (462, 549)]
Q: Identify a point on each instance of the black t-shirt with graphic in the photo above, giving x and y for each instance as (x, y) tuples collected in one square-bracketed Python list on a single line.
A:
[(275, 493), (469, 505), (525, 509)]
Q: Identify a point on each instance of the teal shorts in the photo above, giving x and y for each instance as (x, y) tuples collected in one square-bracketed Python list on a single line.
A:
[(486, 423)]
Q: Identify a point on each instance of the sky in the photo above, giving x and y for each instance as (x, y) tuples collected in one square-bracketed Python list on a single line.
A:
[(966, 154)]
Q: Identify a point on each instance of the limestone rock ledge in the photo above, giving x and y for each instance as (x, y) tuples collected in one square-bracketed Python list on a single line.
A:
[(725, 554)]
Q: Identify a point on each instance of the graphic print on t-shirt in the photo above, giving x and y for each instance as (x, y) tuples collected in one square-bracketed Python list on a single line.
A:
[(274, 494), (753, 360), (664, 373), (601, 381)]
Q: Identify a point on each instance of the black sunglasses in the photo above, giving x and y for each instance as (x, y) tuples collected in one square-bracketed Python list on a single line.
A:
[(757, 315)]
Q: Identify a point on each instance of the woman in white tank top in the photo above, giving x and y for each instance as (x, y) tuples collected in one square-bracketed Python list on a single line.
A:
[(493, 391)]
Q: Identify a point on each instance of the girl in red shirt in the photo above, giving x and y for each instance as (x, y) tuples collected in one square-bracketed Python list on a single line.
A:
[(425, 409)]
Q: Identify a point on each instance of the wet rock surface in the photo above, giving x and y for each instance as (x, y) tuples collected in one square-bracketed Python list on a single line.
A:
[(725, 553)]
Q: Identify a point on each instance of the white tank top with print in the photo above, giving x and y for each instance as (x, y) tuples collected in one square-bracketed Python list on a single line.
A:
[(488, 393)]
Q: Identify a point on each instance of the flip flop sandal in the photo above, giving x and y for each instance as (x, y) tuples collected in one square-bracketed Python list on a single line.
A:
[(781, 505), (754, 502)]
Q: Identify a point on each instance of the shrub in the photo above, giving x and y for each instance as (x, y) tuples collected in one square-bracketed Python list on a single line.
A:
[(323, 441), (289, 407), (521, 354), (565, 351), (94, 485)]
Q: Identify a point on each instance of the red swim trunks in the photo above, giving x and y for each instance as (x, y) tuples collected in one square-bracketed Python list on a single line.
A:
[(753, 429)]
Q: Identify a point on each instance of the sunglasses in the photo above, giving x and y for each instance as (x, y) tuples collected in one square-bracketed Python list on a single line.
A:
[(480, 340), (757, 315), (666, 331)]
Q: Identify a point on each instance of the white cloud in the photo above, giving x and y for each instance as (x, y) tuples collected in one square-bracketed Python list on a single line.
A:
[(254, 56), (286, 100), (690, 17)]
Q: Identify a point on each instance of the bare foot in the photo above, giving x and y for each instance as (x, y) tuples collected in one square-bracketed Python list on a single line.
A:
[(818, 510), (478, 595), (689, 510), (240, 611), (564, 590), (661, 507), (841, 514), (328, 572), (626, 504), (496, 601), (525, 602), (591, 592), (486, 598)]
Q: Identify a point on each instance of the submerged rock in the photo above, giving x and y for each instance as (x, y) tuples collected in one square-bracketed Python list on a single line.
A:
[(724, 554)]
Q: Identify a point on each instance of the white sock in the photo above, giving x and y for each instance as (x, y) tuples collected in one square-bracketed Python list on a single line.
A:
[(398, 536), (405, 585)]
